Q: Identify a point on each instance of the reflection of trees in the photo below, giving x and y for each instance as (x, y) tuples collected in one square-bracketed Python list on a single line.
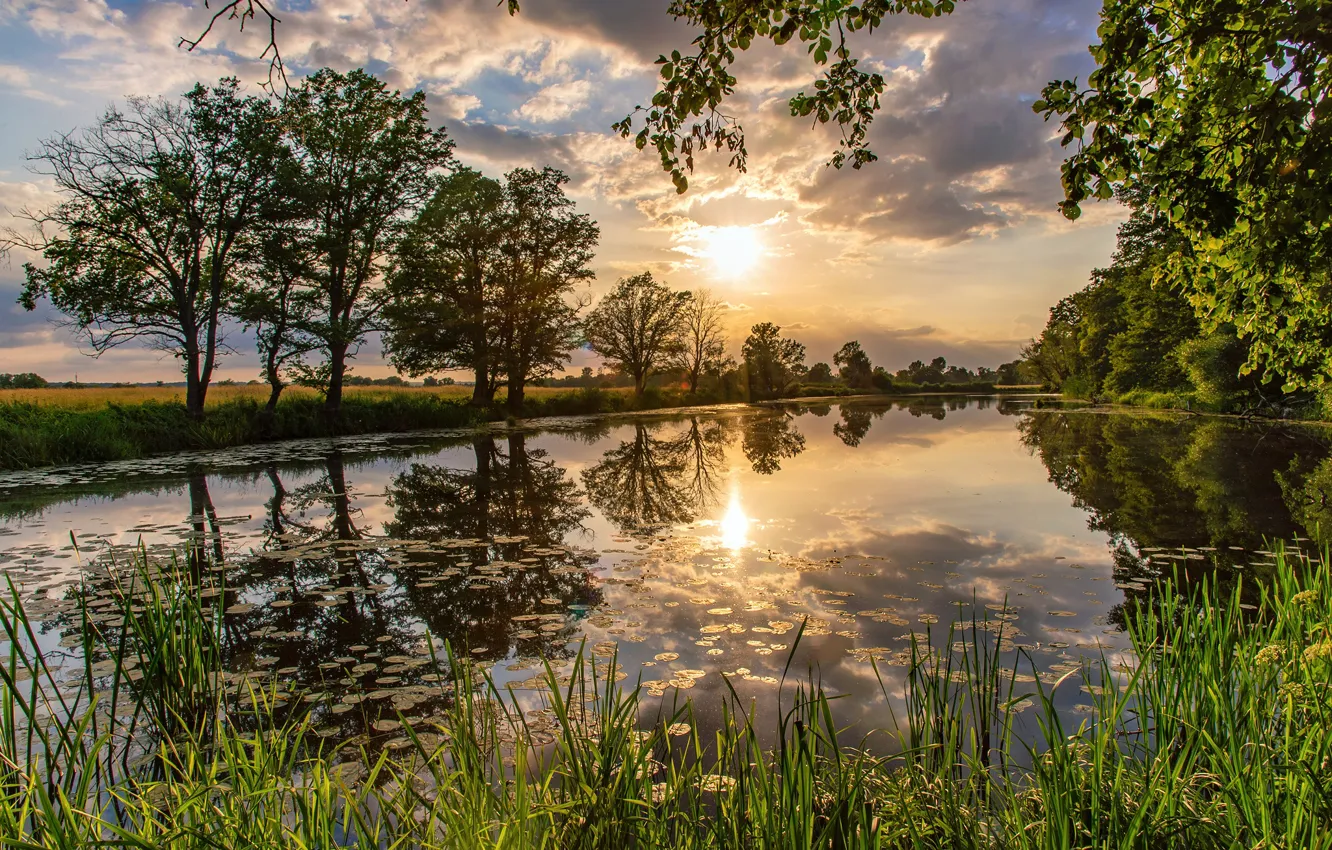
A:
[(651, 482), (768, 440), (1168, 483), (855, 424), (1151, 482), (469, 550)]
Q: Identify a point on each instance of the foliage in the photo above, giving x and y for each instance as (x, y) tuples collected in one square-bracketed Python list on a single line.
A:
[(853, 366), (685, 114), (156, 201), (548, 246), (1127, 332), (365, 158), (444, 287), (1211, 111), (637, 327), (22, 381), (819, 373), (772, 362)]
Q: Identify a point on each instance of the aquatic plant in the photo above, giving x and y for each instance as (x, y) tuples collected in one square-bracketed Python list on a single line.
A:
[(1216, 732)]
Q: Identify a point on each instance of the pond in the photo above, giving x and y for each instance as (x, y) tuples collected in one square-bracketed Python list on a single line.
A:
[(693, 545)]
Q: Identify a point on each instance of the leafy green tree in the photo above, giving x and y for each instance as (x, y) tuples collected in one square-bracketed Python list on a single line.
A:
[(156, 200), (270, 298), (853, 366), (637, 328), (546, 252), (772, 361), (703, 348), (366, 156), (1212, 110), (444, 286)]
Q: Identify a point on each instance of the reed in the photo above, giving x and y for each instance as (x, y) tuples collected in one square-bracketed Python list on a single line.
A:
[(1217, 734)]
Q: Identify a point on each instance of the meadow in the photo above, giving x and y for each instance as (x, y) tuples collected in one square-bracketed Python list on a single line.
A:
[(98, 398), (1215, 732)]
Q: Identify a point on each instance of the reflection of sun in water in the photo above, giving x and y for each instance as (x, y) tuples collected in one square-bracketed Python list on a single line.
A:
[(732, 251), (735, 525)]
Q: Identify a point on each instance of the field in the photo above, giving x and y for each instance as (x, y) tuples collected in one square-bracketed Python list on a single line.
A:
[(97, 398)]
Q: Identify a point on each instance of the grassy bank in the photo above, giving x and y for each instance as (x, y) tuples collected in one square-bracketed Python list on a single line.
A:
[(1218, 734), (62, 426)]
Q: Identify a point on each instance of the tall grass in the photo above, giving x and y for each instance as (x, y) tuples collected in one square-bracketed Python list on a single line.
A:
[(1219, 736)]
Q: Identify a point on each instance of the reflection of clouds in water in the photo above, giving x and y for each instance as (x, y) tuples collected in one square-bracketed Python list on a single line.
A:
[(770, 516)]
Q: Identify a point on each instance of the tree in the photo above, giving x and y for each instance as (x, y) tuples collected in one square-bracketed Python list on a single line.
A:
[(685, 113), (638, 327), (444, 285), (366, 156), (546, 253), (1213, 111), (820, 373), (853, 366), (156, 199), (704, 344), (22, 381), (270, 298), (771, 361)]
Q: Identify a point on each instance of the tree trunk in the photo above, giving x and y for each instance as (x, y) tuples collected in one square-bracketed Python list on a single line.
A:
[(194, 388), (482, 393), (640, 384), (516, 391), (337, 362), (274, 391), (693, 382)]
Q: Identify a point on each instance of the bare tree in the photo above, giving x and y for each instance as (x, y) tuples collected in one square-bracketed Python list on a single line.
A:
[(156, 199), (703, 343)]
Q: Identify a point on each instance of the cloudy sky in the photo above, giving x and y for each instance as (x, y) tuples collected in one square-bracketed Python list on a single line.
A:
[(949, 245)]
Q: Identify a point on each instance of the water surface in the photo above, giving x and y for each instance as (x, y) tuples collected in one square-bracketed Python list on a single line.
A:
[(691, 546)]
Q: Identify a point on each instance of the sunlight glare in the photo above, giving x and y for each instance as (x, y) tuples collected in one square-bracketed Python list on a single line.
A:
[(733, 251), (735, 525)]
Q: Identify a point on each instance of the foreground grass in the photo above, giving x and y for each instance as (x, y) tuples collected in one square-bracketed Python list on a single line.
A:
[(1220, 736)]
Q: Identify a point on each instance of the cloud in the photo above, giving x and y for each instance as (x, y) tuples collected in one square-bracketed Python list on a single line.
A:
[(557, 101)]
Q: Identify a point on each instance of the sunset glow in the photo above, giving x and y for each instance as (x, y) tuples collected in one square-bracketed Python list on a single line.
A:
[(735, 525), (732, 252)]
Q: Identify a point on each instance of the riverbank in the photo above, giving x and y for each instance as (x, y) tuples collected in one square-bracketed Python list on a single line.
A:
[(1215, 732), (56, 427)]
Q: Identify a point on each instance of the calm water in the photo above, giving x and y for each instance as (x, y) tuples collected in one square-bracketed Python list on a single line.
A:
[(694, 545)]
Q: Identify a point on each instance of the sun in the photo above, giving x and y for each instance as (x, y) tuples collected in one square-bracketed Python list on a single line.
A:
[(732, 251)]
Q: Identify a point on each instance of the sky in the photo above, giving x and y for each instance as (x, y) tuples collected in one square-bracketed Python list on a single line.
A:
[(950, 245)]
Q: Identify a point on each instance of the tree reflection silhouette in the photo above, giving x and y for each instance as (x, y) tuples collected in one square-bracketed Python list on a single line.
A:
[(652, 482), (768, 440), (855, 424)]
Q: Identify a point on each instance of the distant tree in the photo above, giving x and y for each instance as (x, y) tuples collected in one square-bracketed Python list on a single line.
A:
[(366, 158), (156, 198), (637, 327), (883, 382), (853, 366), (771, 361), (704, 338), (1009, 373), (22, 381), (444, 287), (547, 248), (819, 373)]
